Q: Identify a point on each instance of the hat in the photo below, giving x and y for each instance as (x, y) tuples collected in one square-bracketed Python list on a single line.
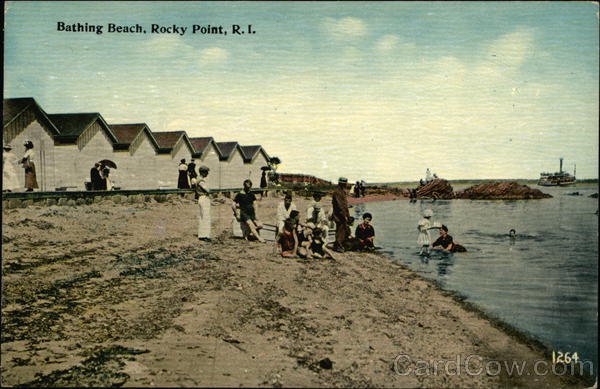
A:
[(28, 144), (182, 160), (343, 180), (7, 146), (428, 213), (203, 168)]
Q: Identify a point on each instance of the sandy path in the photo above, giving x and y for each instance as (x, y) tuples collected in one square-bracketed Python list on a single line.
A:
[(125, 295)]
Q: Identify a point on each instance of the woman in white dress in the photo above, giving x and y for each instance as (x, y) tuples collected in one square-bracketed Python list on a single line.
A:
[(9, 175), (424, 239), (202, 193)]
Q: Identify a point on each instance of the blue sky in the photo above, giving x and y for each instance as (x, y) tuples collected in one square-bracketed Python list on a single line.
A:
[(374, 91)]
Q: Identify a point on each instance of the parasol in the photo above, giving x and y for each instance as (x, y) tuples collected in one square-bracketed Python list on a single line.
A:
[(109, 163)]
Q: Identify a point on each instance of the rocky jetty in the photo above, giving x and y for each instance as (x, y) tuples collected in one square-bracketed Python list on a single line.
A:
[(437, 189), (500, 191)]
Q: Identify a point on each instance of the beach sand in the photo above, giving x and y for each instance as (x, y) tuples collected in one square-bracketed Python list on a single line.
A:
[(125, 294)]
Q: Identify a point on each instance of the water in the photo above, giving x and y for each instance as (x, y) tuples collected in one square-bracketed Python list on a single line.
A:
[(545, 282)]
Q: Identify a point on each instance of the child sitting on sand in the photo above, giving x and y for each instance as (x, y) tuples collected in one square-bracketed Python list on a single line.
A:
[(287, 240), (317, 248), (305, 238), (365, 233), (351, 243)]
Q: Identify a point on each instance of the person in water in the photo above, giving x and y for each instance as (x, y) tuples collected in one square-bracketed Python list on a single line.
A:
[(446, 243), (512, 233), (424, 239)]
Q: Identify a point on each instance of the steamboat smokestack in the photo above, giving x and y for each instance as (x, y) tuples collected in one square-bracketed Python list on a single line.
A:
[(560, 165)]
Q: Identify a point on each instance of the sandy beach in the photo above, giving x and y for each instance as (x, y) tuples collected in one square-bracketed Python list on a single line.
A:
[(125, 294)]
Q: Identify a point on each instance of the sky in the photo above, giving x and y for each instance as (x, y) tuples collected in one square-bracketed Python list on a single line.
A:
[(371, 91)]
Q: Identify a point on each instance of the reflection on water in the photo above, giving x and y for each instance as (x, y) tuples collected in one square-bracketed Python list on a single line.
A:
[(544, 281)]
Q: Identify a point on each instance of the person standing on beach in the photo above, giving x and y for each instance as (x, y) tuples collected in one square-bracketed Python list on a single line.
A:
[(182, 181), (263, 184), (29, 166), (247, 213), (192, 175), (95, 177), (202, 194), (340, 214), (107, 183), (9, 176)]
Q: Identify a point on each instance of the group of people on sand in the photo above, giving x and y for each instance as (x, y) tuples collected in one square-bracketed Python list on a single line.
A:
[(443, 243), (294, 236), (187, 174), (309, 239), (359, 189), (9, 175)]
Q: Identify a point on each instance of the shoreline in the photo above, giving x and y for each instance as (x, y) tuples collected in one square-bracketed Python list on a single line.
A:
[(90, 298), (376, 197), (509, 329)]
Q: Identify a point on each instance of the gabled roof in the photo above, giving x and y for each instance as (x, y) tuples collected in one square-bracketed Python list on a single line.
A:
[(201, 145), (127, 133), (250, 152), (13, 108), (227, 149), (72, 125), (168, 139)]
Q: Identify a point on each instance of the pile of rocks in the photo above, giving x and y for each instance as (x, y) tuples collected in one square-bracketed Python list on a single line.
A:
[(500, 191)]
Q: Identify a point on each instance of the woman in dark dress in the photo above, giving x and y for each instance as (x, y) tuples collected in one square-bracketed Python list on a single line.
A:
[(182, 181), (263, 184), (446, 243)]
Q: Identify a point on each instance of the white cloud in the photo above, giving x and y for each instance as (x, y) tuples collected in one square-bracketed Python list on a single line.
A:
[(511, 49), (391, 42), (165, 46), (344, 28), (213, 55), (387, 42)]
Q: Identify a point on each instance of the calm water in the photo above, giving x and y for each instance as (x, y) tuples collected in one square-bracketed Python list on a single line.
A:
[(545, 282)]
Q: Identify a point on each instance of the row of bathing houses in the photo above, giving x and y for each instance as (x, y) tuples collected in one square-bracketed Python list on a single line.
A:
[(68, 145)]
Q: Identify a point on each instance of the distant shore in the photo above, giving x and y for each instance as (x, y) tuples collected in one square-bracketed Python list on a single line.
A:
[(413, 184)]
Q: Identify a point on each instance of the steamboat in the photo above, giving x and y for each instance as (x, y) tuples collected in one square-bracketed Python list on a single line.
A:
[(560, 178)]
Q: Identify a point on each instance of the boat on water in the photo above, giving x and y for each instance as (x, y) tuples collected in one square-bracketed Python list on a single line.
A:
[(560, 178)]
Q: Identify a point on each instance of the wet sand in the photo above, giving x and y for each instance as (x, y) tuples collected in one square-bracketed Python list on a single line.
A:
[(125, 294)]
